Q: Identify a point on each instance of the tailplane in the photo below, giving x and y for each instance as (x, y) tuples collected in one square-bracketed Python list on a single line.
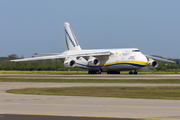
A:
[(71, 41)]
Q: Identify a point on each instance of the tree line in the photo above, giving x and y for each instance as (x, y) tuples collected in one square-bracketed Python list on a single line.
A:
[(40, 65)]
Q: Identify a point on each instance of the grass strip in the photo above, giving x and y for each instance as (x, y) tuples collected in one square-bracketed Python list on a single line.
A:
[(160, 92), (165, 81)]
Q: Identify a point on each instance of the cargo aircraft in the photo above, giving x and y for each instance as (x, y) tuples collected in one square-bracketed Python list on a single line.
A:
[(96, 61)]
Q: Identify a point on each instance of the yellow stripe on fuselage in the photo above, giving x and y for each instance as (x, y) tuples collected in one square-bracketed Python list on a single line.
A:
[(135, 62)]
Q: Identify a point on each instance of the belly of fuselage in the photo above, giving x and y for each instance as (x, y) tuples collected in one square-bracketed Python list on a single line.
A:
[(120, 67)]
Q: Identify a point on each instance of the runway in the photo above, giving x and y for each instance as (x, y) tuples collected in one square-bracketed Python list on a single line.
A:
[(74, 106), (51, 117), (93, 76)]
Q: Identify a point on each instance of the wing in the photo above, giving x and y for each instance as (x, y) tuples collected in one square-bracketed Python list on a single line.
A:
[(37, 58), (160, 59), (46, 53), (64, 55)]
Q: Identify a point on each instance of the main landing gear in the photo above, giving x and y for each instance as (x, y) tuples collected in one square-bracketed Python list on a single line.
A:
[(135, 72)]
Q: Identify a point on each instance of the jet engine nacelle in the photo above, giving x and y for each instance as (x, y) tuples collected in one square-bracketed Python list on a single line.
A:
[(92, 61), (69, 63), (152, 63)]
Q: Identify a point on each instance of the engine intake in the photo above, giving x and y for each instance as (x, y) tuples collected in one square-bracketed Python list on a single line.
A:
[(92, 61), (69, 63), (152, 63)]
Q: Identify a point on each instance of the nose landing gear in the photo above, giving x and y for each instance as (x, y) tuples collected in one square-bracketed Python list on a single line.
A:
[(135, 72), (130, 72)]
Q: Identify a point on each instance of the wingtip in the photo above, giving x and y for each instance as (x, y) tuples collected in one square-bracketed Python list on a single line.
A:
[(7, 61)]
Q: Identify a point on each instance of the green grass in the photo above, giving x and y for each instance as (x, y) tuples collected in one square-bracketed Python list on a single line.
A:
[(48, 80), (120, 92)]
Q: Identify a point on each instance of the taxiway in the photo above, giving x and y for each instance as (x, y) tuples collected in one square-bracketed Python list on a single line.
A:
[(86, 106)]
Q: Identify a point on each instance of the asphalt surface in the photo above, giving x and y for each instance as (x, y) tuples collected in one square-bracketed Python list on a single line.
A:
[(71, 107), (93, 76), (44, 117)]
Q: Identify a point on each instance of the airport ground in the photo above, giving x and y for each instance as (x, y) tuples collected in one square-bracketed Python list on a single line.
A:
[(78, 107), (93, 76)]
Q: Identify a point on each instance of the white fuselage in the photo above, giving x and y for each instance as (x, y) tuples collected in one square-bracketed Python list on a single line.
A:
[(119, 60)]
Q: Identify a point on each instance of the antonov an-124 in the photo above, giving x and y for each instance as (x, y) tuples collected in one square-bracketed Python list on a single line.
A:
[(96, 61)]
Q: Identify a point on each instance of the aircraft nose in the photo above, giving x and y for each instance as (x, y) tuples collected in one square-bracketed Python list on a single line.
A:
[(144, 58)]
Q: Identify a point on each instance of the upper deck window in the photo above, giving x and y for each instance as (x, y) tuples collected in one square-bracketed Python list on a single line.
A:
[(135, 50)]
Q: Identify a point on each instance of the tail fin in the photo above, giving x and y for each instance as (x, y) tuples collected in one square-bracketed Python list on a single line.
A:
[(71, 42)]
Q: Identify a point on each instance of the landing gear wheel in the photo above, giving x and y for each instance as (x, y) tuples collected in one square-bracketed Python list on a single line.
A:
[(130, 72), (135, 72)]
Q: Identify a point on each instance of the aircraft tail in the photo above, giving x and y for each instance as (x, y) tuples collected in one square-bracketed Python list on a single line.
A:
[(71, 41)]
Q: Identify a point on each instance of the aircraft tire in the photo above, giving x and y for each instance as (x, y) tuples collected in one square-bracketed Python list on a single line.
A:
[(135, 72), (130, 72)]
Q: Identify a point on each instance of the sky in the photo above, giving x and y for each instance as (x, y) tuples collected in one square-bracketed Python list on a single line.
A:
[(36, 26)]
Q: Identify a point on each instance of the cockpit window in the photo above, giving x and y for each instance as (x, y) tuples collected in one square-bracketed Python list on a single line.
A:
[(135, 50)]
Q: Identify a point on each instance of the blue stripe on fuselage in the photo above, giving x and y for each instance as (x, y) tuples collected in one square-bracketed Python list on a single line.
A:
[(132, 64)]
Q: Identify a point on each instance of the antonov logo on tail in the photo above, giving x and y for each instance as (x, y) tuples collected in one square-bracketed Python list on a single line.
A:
[(70, 38)]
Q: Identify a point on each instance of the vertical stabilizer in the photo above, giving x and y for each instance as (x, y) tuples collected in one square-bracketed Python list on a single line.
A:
[(71, 42)]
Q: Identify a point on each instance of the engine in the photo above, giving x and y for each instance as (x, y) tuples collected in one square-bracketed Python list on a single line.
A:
[(152, 63), (69, 63), (92, 61)]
